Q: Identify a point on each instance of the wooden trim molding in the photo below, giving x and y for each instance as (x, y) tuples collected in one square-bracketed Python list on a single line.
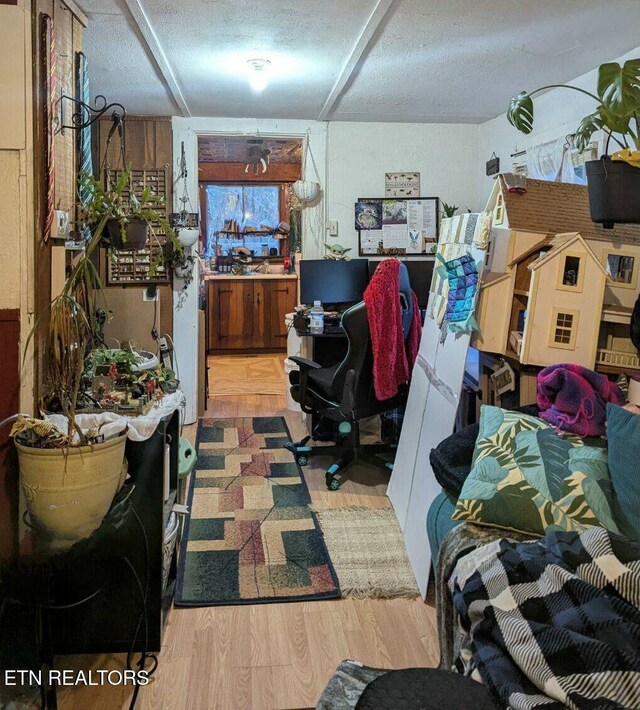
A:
[(234, 172)]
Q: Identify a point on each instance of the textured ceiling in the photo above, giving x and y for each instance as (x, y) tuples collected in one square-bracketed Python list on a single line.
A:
[(386, 60), (220, 149)]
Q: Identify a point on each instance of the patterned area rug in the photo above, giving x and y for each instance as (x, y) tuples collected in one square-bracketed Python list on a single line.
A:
[(251, 536), (367, 548)]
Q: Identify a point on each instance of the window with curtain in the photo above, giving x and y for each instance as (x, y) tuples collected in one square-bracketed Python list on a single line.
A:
[(250, 207)]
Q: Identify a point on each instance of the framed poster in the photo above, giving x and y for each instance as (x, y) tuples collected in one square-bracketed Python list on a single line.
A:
[(397, 226), (401, 184)]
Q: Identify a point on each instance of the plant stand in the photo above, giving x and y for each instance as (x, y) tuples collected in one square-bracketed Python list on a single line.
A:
[(105, 594)]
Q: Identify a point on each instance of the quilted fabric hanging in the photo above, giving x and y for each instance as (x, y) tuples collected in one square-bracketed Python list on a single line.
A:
[(462, 277)]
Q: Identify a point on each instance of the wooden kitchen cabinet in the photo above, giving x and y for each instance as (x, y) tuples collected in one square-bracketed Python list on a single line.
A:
[(248, 313), (282, 300)]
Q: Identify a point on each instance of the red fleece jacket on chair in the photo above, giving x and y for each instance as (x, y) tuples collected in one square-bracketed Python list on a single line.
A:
[(392, 358)]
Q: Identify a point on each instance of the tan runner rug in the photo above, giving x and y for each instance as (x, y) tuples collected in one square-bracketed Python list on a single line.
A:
[(368, 553)]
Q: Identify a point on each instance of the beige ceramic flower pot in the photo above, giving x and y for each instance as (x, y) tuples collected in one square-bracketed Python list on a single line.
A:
[(69, 493)]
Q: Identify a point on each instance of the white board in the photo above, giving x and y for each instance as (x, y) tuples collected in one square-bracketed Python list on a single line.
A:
[(431, 410)]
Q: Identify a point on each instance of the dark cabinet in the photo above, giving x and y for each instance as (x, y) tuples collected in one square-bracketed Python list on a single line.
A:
[(248, 314)]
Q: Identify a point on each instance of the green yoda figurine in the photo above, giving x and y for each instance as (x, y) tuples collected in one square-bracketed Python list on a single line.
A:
[(336, 252)]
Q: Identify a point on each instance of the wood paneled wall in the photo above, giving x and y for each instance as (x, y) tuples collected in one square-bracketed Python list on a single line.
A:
[(149, 145), (69, 23)]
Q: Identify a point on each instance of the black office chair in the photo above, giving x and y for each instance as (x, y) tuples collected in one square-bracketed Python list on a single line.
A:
[(345, 393)]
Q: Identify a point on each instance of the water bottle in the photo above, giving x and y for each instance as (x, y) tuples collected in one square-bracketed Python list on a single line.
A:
[(316, 318)]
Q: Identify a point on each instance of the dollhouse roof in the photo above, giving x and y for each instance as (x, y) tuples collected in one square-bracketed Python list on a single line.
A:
[(558, 207), (557, 245)]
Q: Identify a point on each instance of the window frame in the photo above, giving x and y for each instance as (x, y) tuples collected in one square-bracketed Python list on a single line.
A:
[(573, 330), (283, 207), (633, 284), (581, 256)]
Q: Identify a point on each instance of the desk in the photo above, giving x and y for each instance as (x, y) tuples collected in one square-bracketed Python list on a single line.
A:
[(325, 348)]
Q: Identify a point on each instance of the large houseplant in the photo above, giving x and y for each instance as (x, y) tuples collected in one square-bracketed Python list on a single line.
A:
[(69, 475), (69, 478), (613, 181)]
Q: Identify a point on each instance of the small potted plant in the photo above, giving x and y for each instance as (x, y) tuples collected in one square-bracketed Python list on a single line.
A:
[(161, 377), (613, 181), (449, 210)]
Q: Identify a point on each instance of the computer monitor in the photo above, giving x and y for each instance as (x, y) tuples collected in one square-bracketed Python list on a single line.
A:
[(332, 281), (420, 274)]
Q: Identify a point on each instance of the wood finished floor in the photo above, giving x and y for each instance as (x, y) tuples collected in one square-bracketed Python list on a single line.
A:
[(271, 656)]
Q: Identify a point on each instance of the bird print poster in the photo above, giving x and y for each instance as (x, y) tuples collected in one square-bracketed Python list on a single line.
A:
[(401, 184)]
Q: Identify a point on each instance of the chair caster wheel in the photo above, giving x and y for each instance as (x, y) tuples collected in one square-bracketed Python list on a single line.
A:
[(333, 483), (302, 460)]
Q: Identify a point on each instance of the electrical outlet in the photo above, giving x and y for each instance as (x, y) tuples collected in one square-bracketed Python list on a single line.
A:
[(332, 227), (60, 228), (150, 293)]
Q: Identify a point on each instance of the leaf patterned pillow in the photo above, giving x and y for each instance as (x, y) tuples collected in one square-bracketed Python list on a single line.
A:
[(527, 478)]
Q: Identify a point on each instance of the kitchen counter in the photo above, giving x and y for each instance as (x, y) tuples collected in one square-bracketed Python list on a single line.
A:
[(253, 277)]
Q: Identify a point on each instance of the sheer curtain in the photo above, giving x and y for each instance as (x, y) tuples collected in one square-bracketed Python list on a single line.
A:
[(552, 161)]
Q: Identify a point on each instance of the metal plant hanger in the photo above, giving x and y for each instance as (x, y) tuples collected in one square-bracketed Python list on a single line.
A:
[(187, 221), (86, 115)]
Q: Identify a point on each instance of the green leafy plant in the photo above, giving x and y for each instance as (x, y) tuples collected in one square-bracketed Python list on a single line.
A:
[(617, 111), (161, 377), (122, 362), (124, 202), (69, 330), (449, 210)]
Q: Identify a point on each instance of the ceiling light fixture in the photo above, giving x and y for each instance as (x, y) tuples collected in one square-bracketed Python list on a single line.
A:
[(258, 71)]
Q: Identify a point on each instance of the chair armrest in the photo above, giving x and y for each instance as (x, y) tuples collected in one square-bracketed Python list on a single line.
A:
[(305, 368), (302, 362)]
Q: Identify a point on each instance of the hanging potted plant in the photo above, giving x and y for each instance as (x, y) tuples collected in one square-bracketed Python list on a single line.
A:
[(613, 180), (130, 212), (69, 475)]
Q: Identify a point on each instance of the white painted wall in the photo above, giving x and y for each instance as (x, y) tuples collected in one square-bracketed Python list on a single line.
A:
[(359, 154), (557, 113)]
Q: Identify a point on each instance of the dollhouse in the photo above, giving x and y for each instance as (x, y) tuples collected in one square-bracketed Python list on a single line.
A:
[(544, 251)]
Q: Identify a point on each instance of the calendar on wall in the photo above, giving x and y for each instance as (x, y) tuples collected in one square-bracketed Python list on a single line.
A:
[(132, 267)]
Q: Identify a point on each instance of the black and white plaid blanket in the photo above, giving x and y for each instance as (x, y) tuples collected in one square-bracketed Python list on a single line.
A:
[(555, 622)]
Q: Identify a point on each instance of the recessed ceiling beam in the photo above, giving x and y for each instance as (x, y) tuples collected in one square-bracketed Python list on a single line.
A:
[(350, 67), (156, 50)]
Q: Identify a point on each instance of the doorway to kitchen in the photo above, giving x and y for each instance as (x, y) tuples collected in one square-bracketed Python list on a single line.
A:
[(251, 227)]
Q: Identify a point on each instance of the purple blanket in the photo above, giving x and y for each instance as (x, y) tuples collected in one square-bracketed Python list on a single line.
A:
[(574, 399)]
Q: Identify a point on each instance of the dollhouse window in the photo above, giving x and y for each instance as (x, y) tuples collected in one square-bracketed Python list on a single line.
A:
[(620, 269), (498, 215), (564, 329), (571, 271), (488, 254)]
